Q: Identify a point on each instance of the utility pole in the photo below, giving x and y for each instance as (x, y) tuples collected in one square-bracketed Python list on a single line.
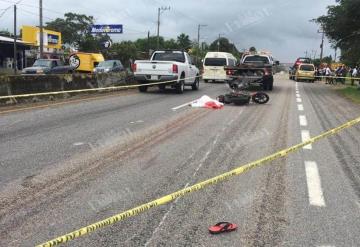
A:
[(198, 41), (15, 50), (219, 43), (160, 10), (41, 30), (148, 42), (322, 44)]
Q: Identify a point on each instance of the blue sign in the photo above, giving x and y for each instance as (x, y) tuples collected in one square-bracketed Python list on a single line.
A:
[(53, 39), (117, 28)]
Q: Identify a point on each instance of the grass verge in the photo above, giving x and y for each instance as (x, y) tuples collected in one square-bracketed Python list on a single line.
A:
[(350, 92)]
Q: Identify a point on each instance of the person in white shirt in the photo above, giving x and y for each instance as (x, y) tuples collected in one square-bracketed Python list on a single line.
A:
[(354, 74), (328, 74)]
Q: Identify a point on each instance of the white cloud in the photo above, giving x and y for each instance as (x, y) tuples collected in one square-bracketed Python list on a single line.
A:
[(281, 26)]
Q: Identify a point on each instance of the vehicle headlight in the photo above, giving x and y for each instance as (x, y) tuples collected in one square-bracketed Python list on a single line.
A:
[(94, 70), (107, 70), (23, 71), (39, 71)]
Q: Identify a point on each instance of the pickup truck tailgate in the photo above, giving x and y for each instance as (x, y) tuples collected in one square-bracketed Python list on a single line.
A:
[(154, 68)]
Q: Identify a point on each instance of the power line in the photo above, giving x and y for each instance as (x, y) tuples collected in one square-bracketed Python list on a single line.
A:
[(32, 6), (6, 9)]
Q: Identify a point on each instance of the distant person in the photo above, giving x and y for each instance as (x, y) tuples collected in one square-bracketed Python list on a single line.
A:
[(328, 74), (343, 74), (354, 74)]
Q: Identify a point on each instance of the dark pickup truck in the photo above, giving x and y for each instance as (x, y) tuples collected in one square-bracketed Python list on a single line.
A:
[(253, 73), (48, 66)]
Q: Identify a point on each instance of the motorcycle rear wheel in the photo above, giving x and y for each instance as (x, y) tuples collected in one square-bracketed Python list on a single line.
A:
[(260, 98)]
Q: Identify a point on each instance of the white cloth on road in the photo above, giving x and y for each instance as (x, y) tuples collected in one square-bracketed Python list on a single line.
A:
[(207, 102)]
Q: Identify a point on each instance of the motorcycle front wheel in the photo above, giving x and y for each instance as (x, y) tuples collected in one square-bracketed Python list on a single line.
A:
[(260, 98)]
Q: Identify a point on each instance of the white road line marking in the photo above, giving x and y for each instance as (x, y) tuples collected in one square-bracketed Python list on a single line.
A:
[(183, 105), (305, 136), (299, 100), (298, 95), (78, 144), (300, 107), (303, 120), (316, 196)]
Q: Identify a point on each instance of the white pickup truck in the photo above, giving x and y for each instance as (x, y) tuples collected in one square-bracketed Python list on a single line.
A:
[(167, 65)]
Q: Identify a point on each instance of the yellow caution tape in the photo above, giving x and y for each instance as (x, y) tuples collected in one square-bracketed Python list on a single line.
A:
[(92, 89), (171, 197), (322, 76)]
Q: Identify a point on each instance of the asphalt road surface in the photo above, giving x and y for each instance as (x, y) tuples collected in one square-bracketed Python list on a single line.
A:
[(67, 166)]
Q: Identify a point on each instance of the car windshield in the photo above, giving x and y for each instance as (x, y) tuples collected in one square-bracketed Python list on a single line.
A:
[(256, 59), (215, 62), (307, 68), (42, 63), (169, 56), (108, 64)]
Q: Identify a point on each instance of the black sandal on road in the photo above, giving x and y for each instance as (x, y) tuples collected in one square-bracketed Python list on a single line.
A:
[(222, 227)]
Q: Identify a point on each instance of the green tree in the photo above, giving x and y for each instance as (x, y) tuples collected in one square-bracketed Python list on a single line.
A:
[(225, 46), (124, 51), (171, 44), (342, 26), (5, 33), (75, 31), (252, 49), (184, 42)]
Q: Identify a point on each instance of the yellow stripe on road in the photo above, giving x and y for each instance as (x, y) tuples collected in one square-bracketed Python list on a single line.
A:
[(199, 186)]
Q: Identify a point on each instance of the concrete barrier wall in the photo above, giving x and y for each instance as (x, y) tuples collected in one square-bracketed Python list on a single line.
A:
[(22, 84)]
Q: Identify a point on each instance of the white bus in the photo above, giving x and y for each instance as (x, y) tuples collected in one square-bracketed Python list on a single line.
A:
[(213, 65)]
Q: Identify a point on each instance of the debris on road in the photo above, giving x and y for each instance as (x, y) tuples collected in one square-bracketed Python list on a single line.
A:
[(222, 227), (207, 102)]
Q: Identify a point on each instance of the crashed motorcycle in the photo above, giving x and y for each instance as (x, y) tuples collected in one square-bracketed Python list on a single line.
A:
[(240, 95)]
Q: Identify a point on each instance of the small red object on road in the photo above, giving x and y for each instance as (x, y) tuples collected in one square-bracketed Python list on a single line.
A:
[(222, 227)]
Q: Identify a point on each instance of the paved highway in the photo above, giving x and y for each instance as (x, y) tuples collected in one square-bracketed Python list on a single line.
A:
[(64, 167)]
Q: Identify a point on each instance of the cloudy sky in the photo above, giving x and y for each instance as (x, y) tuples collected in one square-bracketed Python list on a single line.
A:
[(280, 26)]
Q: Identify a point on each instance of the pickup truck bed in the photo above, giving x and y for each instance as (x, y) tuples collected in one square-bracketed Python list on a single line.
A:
[(254, 73)]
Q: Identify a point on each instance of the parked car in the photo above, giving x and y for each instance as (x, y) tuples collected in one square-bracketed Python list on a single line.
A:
[(294, 68), (109, 66), (175, 66), (305, 72), (261, 62), (48, 66), (213, 66)]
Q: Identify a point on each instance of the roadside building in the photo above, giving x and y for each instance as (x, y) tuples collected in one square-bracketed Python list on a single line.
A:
[(7, 54), (51, 40)]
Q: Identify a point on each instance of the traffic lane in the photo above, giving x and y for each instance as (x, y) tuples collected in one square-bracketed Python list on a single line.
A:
[(33, 140), (140, 230), (147, 179), (255, 201), (331, 223)]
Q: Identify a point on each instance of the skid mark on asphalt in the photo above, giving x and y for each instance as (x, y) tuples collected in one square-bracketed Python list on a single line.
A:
[(206, 156)]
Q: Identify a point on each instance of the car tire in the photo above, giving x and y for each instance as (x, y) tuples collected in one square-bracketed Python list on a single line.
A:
[(143, 89), (206, 81), (180, 86), (196, 84)]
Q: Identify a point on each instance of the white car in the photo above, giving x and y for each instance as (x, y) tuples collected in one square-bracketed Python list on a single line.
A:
[(172, 66)]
